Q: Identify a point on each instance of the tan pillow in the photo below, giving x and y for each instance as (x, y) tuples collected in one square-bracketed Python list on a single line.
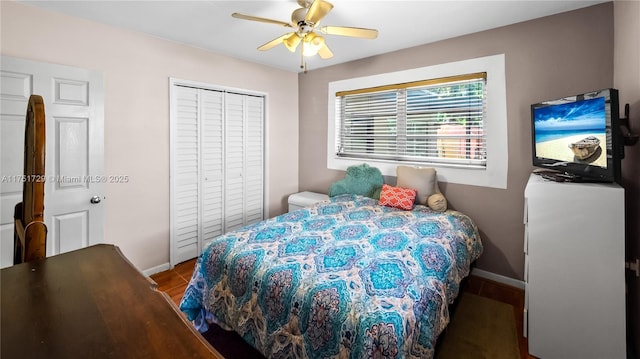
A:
[(437, 202), (422, 179)]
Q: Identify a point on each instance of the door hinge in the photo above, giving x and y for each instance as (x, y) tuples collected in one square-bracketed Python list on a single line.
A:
[(633, 266)]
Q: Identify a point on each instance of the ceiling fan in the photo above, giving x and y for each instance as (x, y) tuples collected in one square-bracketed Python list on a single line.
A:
[(304, 21)]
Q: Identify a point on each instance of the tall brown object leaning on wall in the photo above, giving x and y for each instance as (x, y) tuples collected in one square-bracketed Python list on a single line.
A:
[(30, 232)]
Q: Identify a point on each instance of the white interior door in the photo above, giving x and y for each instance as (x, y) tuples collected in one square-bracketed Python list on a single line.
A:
[(74, 110)]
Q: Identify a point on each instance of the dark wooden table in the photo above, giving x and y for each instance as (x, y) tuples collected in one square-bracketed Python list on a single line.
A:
[(91, 303)]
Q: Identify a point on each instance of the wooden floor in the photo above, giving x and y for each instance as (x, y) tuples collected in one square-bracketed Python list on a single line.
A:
[(173, 282)]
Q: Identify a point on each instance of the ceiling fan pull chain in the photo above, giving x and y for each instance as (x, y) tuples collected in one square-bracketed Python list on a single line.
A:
[(303, 64)]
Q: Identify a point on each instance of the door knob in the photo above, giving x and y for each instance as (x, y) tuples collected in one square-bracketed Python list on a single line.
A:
[(95, 199)]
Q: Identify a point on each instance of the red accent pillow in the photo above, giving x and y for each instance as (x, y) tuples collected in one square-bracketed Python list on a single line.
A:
[(397, 197)]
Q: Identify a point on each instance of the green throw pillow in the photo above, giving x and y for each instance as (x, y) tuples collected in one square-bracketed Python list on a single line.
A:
[(361, 179)]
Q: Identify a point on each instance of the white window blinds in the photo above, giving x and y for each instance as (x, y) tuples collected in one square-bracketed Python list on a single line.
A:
[(430, 121)]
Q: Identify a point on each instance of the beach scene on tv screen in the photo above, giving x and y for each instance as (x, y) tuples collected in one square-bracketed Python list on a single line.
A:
[(572, 132)]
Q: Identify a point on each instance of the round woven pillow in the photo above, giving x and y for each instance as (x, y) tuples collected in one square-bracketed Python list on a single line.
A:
[(437, 202)]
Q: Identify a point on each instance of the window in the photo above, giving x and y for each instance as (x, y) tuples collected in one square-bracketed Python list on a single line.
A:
[(450, 116), (430, 121)]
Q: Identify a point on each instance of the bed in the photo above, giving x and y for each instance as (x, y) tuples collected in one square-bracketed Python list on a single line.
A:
[(344, 278)]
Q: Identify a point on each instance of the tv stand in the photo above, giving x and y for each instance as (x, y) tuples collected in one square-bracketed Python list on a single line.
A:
[(574, 247)]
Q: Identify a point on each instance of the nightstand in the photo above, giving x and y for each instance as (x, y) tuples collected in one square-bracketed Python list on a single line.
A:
[(305, 199)]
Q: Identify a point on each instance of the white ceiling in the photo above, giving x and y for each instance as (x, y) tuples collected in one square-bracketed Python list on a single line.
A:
[(401, 24)]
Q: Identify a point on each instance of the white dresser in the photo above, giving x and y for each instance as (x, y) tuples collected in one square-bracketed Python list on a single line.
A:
[(574, 270)]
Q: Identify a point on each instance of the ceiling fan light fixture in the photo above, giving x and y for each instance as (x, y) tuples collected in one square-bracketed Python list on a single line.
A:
[(308, 51), (317, 41), (291, 42), (312, 43)]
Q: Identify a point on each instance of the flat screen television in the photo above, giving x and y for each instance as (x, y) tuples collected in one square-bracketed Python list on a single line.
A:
[(577, 138)]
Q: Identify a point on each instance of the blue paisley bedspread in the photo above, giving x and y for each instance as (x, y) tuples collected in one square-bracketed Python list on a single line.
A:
[(345, 278)]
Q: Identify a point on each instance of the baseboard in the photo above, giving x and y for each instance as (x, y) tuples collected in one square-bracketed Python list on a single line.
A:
[(157, 269), (498, 278)]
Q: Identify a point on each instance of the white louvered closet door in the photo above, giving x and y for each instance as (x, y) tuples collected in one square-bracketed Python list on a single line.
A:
[(234, 165), (185, 173), (244, 160), (211, 164), (217, 166), (254, 159)]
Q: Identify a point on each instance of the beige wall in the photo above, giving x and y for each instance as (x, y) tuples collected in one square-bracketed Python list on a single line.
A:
[(136, 69), (626, 79), (546, 58)]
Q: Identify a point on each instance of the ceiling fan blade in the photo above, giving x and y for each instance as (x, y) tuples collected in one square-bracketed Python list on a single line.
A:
[(277, 41), (350, 31), (260, 19), (325, 52), (317, 11)]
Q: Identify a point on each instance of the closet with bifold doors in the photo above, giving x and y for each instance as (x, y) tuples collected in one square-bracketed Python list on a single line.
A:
[(217, 164)]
